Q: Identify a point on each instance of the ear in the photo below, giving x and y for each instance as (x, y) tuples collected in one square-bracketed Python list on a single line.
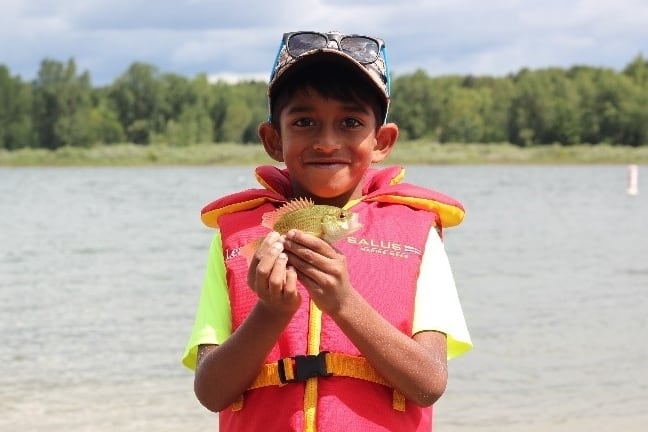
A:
[(386, 137), (271, 140)]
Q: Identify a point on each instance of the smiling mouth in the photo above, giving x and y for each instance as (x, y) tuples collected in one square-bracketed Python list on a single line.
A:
[(328, 165), (327, 162)]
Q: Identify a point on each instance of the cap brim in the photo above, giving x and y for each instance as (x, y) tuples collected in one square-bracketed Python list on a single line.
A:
[(326, 55)]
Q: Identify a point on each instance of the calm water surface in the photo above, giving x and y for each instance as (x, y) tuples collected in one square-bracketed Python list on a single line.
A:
[(100, 270)]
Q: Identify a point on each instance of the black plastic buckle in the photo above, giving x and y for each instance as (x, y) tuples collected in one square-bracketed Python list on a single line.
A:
[(306, 366)]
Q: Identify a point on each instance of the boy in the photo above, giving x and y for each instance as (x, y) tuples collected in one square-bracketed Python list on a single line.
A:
[(306, 335)]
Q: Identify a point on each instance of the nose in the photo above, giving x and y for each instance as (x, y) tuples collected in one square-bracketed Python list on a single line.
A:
[(327, 141)]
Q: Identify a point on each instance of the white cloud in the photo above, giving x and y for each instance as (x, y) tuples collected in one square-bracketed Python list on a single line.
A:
[(233, 77), (226, 38)]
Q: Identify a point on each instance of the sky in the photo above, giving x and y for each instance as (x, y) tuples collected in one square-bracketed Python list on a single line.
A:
[(238, 39)]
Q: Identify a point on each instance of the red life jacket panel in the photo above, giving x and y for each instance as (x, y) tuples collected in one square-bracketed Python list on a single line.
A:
[(385, 256)]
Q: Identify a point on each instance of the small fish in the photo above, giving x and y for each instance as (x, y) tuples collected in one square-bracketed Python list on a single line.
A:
[(329, 223)]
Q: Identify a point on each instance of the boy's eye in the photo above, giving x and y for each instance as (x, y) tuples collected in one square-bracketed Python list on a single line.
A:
[(303, 122), (351, 123)]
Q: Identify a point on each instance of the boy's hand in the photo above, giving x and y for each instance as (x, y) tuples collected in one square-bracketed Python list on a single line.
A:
[(321, 268), (271, 279)]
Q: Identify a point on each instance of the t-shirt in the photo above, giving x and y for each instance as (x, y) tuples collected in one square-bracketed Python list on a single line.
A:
[(436, 305)]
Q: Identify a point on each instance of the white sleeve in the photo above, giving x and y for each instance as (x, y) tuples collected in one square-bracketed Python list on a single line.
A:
[(437, 305)]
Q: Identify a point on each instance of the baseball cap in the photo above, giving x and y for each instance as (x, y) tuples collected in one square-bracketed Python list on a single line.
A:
[(365, 53)]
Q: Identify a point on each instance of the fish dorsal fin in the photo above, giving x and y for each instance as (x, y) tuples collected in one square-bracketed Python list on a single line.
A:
[(270, 219)]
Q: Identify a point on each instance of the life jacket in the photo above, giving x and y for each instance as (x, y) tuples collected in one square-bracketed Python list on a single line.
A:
[(314, 377)]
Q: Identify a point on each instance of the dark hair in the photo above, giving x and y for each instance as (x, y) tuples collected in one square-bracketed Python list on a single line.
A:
[(332, 80)]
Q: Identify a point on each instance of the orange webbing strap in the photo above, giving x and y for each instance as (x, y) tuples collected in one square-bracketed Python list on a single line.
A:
[(310, 389), (337, 364), (268, 376)]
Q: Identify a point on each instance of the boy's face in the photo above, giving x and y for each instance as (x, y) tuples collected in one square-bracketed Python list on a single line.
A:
[(328, 145)]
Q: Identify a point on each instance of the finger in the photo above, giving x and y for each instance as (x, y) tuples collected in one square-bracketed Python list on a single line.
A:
[(277, 278), (268, 256), (311, 242), (291, 278), (259, 247), (266, 244), (290, 288), (265, 257), (307, 279), (307, 273), (301, 259)]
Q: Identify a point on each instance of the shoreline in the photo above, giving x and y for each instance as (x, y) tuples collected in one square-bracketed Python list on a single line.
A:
[(405, 153)]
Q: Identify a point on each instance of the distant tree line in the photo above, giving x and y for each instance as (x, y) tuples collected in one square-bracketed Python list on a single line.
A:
[(583, 104)]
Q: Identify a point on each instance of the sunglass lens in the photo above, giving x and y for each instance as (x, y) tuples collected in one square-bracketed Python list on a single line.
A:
[(363, 49), (300, 43)]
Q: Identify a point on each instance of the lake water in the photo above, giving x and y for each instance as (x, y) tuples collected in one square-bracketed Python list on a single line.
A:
[(100, 270)]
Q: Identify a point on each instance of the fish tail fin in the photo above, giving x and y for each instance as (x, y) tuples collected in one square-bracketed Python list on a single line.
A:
[(249, 249)]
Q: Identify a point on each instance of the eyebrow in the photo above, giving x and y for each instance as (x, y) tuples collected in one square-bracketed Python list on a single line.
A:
[(348, 106)]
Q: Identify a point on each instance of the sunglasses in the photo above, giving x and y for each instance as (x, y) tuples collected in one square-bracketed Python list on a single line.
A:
[(364, 49)]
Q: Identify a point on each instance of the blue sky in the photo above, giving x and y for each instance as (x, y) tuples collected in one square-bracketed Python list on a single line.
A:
[(239, 38)]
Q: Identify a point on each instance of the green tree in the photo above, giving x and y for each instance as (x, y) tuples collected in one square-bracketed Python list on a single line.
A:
[(237, 111), (583, 79), (62, 104), (581, 104), (615, 96), (138, 96), (192, 127), (461, 118), (531, 109), (178, 93), (218, 108), (495, 99), (16, 128), (105, 126), (637, 71), (564, 122), (236, 120), (417, 105)]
